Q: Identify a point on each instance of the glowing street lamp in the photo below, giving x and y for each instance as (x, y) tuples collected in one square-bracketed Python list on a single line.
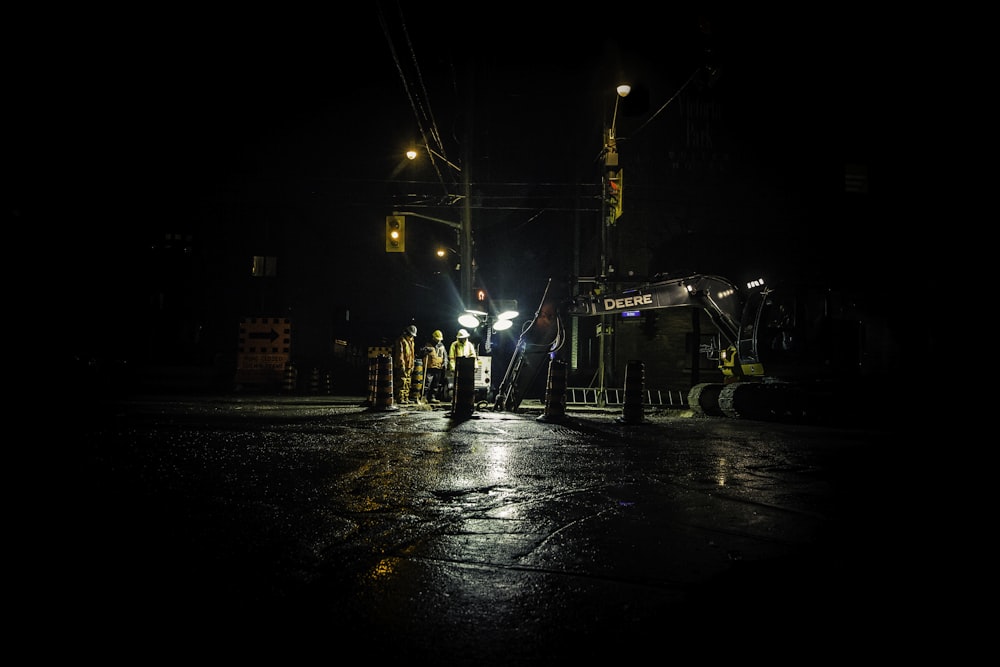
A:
[(623, 90), (442, 253), (412, 155)]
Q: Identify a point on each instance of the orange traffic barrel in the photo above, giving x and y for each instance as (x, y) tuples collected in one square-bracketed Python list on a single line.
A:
[(383, 384), (555, 392), (417, 383)]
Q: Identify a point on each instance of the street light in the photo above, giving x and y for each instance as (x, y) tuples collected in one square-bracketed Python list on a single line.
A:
[(610, 179), (623, 90), (465, 241), (412, 155), (444, 253)]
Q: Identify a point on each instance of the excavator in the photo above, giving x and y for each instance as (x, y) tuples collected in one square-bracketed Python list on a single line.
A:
[(783, 353)]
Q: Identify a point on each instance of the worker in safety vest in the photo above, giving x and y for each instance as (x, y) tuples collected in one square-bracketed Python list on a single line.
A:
[(461, 347), (402, 364), (435, 356)]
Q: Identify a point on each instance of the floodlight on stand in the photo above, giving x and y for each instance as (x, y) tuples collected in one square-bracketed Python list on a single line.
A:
[(502, 325), (468, 320), (507, 315)]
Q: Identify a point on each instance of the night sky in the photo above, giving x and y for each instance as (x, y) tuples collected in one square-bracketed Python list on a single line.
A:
[(128, 125)]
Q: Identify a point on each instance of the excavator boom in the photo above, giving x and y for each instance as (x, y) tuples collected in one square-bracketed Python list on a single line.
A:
[(717, 296), (539, 341)]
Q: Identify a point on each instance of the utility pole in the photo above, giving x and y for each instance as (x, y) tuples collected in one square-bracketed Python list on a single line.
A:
[(610, 164), (610, 210), (466, 245)]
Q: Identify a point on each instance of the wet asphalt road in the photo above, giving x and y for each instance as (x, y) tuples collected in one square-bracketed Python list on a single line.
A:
[(266, 526)]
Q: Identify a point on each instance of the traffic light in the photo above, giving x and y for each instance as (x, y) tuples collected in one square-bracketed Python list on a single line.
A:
[(395, 233), (619, 191), (614, 195), (481, 295)]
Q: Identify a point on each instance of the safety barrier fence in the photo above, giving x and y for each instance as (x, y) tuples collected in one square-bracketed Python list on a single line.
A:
[(320, 382), (667, 398)]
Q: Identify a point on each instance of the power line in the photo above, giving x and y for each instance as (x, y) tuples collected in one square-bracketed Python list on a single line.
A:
[(420, 99), (672, 98)]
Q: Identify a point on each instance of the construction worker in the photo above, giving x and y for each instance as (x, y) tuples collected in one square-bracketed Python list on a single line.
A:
[(435, 355), (461, 347), (402, 364)]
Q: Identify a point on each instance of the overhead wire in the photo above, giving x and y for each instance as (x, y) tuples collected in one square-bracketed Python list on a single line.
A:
[(664, 106), (419, 99)]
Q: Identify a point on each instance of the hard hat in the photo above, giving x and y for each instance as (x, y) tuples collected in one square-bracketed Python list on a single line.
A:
[(462, 333), (412, 330), (437, 335)]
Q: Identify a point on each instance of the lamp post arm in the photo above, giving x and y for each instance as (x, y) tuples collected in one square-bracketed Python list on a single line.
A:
[(455, 225), (614, 123), (443, 158)]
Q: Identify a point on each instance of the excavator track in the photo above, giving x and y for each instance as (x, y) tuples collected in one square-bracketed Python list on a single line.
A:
[(704, 399), (765, 401)]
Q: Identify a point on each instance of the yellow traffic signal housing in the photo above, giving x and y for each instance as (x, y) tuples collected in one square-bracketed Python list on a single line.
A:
[(614, 195), (395, 233), (619, 191)]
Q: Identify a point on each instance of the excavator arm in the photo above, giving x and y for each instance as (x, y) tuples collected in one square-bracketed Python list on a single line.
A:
[(716, 296), (540, 340)]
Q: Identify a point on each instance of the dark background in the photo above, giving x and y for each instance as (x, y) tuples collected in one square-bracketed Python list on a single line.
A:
[(153, 154)]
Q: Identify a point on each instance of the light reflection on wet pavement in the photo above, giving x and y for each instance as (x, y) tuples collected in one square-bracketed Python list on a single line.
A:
[(495, 539)]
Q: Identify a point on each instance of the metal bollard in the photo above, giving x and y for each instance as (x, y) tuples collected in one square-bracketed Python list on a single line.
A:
[(635, 378), (290, 379), (372, 379), (555, 393), (463, 402)]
